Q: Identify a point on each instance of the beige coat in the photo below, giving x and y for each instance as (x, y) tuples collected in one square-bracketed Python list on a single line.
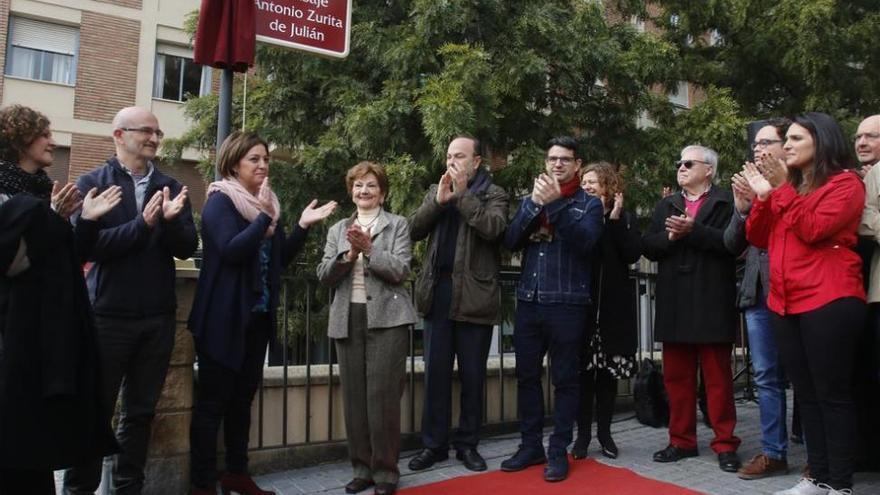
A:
[(870, 227), (389, 303)]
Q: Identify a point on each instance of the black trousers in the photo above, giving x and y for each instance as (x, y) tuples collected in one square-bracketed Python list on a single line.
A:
[(134, 360), (32, 482), (224, 394), (445, 342), (600, 386), (818, 350)]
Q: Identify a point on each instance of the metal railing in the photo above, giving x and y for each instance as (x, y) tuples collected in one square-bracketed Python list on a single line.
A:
[(303, 346)]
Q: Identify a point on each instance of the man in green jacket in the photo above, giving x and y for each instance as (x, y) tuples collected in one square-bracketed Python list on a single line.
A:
[(463, 217)]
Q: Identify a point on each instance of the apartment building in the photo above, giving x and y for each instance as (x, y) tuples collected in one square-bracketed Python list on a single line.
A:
[(80, 61)]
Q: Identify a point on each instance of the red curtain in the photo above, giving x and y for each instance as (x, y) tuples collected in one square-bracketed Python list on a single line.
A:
[(226, 35)]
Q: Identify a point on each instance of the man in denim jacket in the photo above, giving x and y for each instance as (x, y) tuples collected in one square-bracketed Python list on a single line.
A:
[(556, 227)]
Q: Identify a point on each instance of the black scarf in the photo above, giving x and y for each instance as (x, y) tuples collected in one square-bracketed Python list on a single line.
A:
[(14, 180)]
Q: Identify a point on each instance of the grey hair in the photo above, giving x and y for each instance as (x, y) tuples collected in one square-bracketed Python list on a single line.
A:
[(710, 156)]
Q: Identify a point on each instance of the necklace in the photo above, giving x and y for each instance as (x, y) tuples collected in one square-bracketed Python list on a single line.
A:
[(367, 224)]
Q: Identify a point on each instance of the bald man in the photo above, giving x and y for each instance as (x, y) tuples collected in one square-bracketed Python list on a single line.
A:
[(131, 287), (867, 384)]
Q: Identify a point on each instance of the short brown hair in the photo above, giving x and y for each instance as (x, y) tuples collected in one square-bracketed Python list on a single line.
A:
[(234, 148), (363, 169), (20, 126), (608, 176)]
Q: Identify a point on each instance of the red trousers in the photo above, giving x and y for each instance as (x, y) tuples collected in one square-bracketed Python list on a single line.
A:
[(680, 363)]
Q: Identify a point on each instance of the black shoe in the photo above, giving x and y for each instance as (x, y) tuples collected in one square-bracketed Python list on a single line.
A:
[(471, 459), (580, 447), (674, 454), (358, 485), (556, 468), (524, 458), (729, 462), (609, 448), (426, 458)]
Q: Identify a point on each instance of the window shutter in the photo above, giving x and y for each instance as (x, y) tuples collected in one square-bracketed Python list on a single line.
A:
[(39, 35)]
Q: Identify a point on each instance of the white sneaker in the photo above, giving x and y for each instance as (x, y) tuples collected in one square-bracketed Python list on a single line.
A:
[(805, 486), (842, 491)]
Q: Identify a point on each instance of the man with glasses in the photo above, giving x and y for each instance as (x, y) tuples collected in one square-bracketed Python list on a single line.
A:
[(131, 287), (457, 292), (867, 147), (695, 312), (752, 299), (556, 228)]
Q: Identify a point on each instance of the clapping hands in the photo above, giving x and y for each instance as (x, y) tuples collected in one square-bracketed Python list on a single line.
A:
[(95, 205), (65, 200), (546, 190), (313, 214)]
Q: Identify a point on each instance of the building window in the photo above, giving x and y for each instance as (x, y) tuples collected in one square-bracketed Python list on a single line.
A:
[(42, 51), (178, 78), (678, 95)]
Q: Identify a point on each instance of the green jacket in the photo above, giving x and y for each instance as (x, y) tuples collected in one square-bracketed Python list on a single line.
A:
[(476, 296)]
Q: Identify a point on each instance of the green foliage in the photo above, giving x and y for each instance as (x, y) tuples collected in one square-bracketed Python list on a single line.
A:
[(781, 57)]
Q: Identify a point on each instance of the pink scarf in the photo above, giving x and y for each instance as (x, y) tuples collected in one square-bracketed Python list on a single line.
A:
[(247, 205)]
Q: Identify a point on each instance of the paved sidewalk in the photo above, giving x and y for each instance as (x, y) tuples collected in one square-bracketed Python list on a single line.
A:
[(636, 442)]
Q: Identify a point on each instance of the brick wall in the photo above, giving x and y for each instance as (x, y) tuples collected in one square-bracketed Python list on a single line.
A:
[(4, 29), (107, 73), (88, 153), (135, 4)]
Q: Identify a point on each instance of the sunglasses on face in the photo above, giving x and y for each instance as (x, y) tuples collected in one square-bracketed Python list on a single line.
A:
[(687, 163)]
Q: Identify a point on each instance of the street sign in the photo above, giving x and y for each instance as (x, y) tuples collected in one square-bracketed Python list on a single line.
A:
[(317, 26)]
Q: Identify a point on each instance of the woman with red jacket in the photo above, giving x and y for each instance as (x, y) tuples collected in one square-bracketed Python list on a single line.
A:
[(807, 215)]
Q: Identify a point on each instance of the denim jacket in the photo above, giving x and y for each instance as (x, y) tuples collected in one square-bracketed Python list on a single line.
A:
[(557, 271)]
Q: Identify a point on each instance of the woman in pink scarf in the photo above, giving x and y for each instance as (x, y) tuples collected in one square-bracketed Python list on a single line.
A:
[(233, 316)]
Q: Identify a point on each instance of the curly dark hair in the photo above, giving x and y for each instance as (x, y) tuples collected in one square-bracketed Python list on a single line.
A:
[(19, 127), (608, 177)]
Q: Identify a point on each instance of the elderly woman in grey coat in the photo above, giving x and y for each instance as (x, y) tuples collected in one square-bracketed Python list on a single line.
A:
[(367, 260)]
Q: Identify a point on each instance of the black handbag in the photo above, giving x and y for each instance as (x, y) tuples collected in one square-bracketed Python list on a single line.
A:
[(649, 395)]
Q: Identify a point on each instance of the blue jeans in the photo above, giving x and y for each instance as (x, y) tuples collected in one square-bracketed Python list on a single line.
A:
[(557, 329), (769, 378)]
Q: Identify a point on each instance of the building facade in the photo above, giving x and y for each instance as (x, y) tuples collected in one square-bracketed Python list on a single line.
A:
[(80, 61)]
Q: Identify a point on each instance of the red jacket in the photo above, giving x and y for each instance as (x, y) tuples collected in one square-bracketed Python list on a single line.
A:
[(811, 240)]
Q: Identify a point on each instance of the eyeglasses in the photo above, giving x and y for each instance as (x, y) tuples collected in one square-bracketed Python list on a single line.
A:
[(870, 136), (565, 160), (763, 143), (688, 163), (149, 131)]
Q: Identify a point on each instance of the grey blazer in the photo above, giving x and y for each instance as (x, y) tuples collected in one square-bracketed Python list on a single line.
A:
[(757, 268), (385, 274)]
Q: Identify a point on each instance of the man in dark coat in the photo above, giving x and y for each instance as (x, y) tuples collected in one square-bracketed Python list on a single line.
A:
[(457, 293), (131, 288), (696, 313)]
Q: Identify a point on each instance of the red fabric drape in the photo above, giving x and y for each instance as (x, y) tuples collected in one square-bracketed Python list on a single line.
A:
[(226, 35)]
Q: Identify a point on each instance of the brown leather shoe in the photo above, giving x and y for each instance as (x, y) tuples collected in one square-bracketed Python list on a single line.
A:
[(762, 466), (358, 485)]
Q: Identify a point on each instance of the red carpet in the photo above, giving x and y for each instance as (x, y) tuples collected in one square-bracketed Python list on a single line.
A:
[(585, 477)]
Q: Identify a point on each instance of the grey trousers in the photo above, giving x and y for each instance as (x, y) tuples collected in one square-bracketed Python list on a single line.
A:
[(372, 368)]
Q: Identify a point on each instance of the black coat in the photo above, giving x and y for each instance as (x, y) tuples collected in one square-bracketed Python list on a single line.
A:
[(618, 248), (49, 402), (696, 275)]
